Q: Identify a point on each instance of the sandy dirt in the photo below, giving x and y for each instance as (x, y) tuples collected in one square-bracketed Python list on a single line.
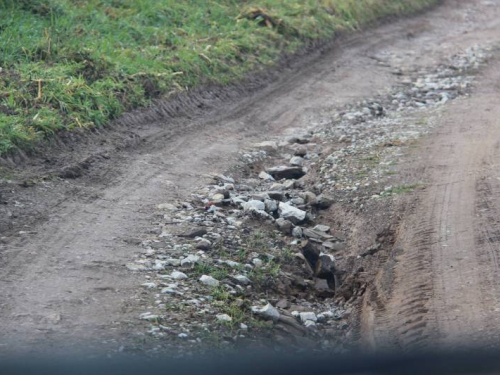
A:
[(62, 279)]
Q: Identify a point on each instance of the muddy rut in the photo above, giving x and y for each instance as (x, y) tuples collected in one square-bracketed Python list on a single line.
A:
[(62, 277)]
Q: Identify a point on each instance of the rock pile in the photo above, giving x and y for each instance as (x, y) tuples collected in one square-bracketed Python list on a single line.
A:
[(208, 259)]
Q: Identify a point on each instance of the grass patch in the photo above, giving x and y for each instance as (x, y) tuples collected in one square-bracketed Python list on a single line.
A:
[(264, 276), (217, 272), (361, 174), (287, 255), (220, 294), (390, 173), (402, 189), (67, 64), (371, 159), (237, 309), (203, 268), (220, 273), (238, 313)]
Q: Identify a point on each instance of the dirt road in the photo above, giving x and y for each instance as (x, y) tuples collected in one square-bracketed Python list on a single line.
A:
[(63, 280), (446, 289)]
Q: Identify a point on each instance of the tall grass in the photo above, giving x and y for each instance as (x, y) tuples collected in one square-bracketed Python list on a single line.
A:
[(67, 64)]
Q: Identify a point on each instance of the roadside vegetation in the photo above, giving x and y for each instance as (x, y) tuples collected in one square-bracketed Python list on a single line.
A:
[(67, 64)]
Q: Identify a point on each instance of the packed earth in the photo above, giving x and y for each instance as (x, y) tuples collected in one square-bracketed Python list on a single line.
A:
[(291, 218)]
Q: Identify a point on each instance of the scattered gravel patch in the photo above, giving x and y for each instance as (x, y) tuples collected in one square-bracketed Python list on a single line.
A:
[(247, 250)]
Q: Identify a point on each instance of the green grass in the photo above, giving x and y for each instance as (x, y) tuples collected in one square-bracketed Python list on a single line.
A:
[(220, 294), (216, 271), (79, 64), (266, 275), (403, 189)]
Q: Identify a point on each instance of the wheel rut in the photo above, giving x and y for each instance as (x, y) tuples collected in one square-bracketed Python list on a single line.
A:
[(445, 285)]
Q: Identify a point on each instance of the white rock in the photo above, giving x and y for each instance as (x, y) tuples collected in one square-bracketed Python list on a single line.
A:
[(298, 201), (291, 213), (149, 285), (176, 275), (271, 205), (239, 200), (209, 280), (322, 228), (310, 324), (224, 318), (265, 176), (190, 260), (136, 267), (328, 314), (159, 265), (148, 316), (243, 326), (297, 232), (305, 316), (297, 161), (243, 279), (268, 312), (173, 262), (217, 197), (167, 206), (229, 263), (267, 146), (257, 262), (277, 187), (154, 330), (254, 205), (169, 289)]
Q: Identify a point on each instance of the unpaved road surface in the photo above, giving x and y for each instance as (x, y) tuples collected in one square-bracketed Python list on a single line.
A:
[(446, 288), (62, 279)]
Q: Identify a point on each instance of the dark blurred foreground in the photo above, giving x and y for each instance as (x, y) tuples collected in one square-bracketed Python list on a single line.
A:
[(428, 363)]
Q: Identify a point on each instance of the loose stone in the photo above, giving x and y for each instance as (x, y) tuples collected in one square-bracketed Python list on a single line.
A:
[(209, 281), (224, 318), (267, 312), (291, 213), (176, 275)]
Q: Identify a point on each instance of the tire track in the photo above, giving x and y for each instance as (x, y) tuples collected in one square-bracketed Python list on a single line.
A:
[(446, 286)]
